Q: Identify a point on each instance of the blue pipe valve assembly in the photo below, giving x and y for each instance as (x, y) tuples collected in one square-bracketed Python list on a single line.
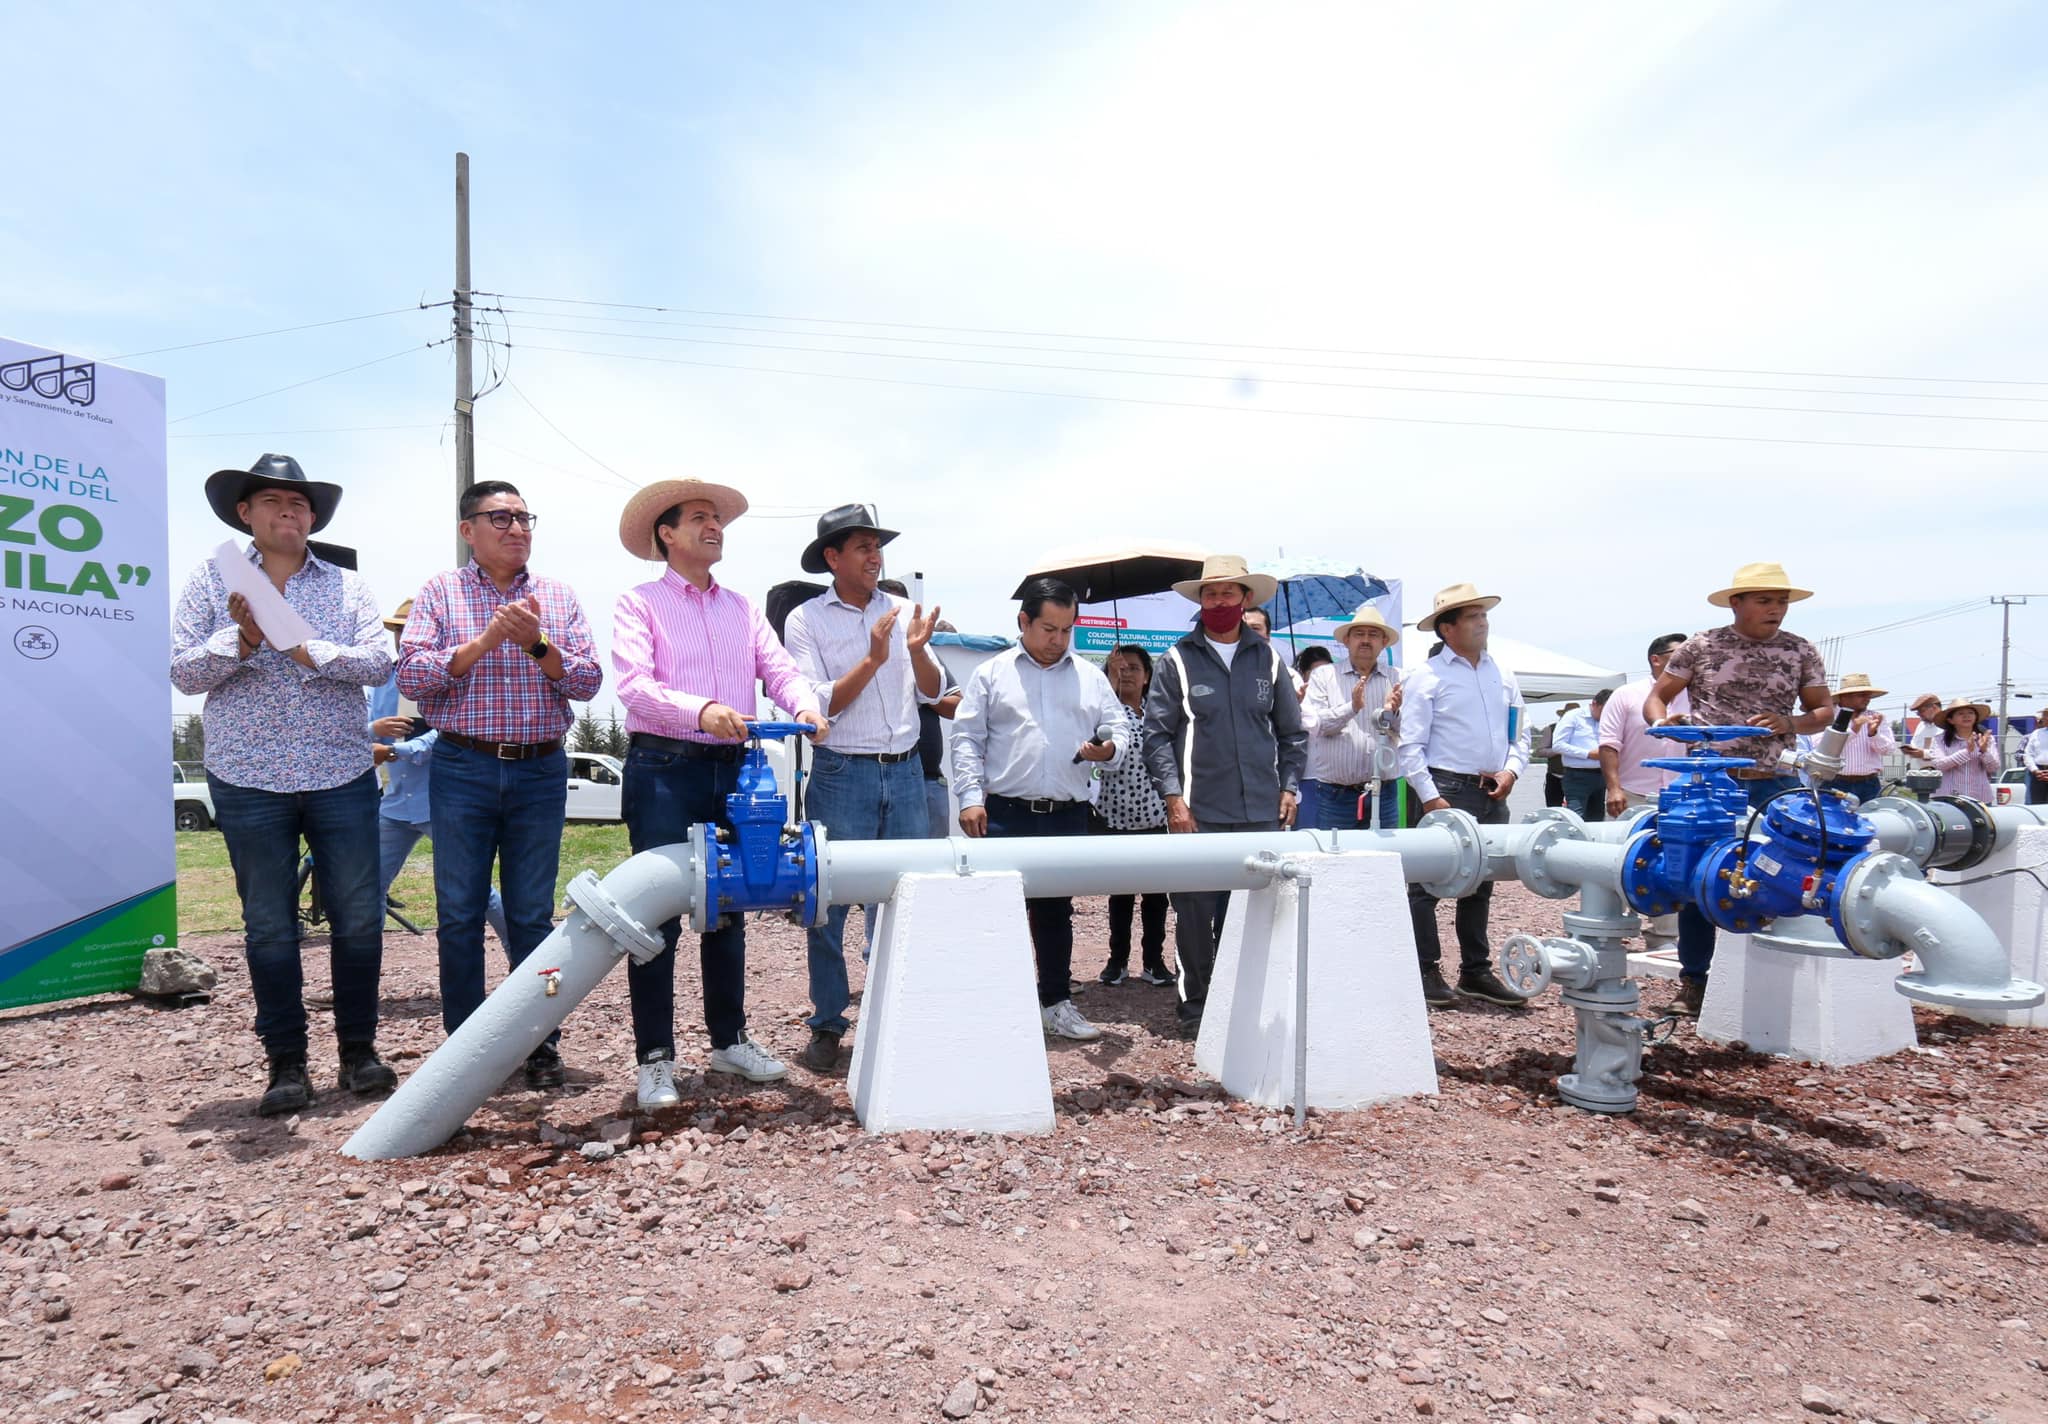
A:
[(1696, 848), (763, 862)]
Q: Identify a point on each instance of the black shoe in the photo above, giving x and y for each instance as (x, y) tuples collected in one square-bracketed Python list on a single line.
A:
[(821, 1054), (1112, 976), (1686, 1002), (1435, 992), (1190, 1017), (1485, 984), (363, 1072), (290, 1089), (1156, 974), (544, 1068)]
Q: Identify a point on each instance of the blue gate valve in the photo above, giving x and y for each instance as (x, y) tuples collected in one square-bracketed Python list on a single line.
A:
[(762, 863), (1811, 843), (1697, 811)]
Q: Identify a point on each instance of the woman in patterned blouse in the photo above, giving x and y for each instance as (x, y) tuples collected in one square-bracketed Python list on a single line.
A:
[(1129, 806), (1966, 756)]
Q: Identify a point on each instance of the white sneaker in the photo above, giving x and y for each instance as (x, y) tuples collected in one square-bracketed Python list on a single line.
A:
[(749, 1060), (1063, 1020), (658, 1085)]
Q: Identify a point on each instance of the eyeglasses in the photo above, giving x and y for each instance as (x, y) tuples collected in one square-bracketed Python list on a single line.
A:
[(506, 518)]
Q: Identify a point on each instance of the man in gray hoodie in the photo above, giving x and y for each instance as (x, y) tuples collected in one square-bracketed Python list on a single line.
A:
[(1224, 745)]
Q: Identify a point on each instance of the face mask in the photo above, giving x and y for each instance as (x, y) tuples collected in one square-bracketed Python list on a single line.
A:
[(1223, 617)]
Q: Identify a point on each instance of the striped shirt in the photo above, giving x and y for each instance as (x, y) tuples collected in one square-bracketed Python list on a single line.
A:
[(677, 648), (271, 723), (828, 637), (504, 697), (1346, 748), (1864, 753)]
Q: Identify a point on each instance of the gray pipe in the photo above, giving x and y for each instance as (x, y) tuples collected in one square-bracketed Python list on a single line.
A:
[(1961, 961)]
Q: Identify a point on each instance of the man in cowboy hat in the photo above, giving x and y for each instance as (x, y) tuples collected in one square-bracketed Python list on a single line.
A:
[(1352, 716), (868, 659), (405, 749), (687, 652), (1870, 739), (1749, 673), (1224, 744), (288, 755), (1464, 742), (494, 654), (1927, 708)]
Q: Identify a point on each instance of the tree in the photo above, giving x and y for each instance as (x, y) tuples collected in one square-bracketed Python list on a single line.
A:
[(586, 735), (615, 737), (188, 738)]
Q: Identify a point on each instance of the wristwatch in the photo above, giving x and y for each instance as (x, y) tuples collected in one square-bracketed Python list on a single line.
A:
[(538, 650)]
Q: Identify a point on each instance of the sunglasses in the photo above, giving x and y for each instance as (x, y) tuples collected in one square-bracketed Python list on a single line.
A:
[(506, 518)]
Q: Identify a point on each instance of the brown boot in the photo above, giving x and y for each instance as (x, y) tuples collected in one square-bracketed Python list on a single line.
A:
[(1686, 1002)]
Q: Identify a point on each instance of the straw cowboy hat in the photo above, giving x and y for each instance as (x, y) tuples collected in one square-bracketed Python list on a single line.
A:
[(1230, 568), (1859, 682), (1758, 578), (395, 620), (227, 488), (1983, 710), (636, 525), (1367, 616), (1458, 595)]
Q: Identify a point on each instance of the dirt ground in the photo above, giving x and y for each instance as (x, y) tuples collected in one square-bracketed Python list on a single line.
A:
[(1762, 1240)]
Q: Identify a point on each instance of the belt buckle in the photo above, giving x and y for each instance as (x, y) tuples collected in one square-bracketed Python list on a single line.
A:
[(503, 747), (1040, 805)]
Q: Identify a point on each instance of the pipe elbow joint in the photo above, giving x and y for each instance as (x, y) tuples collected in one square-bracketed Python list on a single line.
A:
[(1887, 909)]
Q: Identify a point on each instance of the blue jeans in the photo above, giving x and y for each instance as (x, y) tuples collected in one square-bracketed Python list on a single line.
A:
[(1585, 791), (395, 840), (938, 805), (1051, 917), (1695, 930), (1335, 808), (262, 830), (507, 813), (1863, 788), (665, 794), (855, 799)]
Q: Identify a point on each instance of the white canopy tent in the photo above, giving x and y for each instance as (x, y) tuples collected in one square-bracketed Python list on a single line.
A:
[(1551, 677)]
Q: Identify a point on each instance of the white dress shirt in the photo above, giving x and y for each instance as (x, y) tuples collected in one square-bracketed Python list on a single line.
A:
[(1578, 737), (1019, 725), (1346, 748), (2035, 752), (1461, 718), (827, 637)]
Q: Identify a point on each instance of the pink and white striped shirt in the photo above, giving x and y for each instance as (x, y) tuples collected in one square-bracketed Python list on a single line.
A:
[(1864, 753), (676, 648), (1968, 765)]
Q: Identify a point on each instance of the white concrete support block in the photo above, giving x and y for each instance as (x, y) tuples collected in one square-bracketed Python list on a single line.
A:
[(1819, 1009), (949, 1035), (2014, 904), (1368, 1030)]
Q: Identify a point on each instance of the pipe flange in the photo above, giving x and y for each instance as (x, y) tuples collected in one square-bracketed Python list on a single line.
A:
[(1920, 824), (1855, 913), (1983, 831), (703, 914), (1601, 930), (1469, 873), (587, 894), (1551, 828), (821, 874)]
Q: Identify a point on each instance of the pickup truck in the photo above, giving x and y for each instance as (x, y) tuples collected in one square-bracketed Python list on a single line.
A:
[(595, 784), (192, 799)]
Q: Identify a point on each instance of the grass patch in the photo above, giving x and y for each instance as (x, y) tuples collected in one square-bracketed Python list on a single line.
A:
[(208, 904)]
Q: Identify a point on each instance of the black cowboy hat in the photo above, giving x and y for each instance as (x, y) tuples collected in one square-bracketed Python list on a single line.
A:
[(227, 488), (835, 522)]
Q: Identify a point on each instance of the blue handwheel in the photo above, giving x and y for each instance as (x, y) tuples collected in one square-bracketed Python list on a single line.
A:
[(776, 730), (1707, 734)]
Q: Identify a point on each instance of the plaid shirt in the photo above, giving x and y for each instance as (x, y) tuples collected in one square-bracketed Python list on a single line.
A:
[(505, 697)]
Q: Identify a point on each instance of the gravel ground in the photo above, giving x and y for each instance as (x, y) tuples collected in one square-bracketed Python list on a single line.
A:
[(1761, 1240)]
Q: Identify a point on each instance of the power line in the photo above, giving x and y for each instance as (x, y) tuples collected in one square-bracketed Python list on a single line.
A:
[(1302, 414), (310, 380), (1229, 379), (1253, 346), (322, 430), (753, 511), (276, 331), (627, 480), (1294, 365)]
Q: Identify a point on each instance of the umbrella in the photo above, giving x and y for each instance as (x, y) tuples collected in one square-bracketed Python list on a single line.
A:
[(1104, 573), (1316, 588)]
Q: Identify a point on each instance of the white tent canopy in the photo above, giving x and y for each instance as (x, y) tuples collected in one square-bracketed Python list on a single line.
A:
[(1550, 677)]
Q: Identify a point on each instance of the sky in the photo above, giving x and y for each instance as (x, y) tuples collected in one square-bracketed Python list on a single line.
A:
[(1456, 292)]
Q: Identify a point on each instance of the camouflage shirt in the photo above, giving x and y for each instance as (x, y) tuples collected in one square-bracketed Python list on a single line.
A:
[(1730, 679)]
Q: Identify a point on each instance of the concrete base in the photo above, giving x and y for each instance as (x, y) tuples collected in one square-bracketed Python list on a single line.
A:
[(1823, 1010), (1653, 964), (1368, 1031), (2016, 908), (949, 1035)]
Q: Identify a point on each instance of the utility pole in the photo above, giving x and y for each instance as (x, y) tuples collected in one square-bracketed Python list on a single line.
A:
[(2006, 601), (465, 396)]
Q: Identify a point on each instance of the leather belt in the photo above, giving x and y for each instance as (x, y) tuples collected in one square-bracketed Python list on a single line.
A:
[(1439, 774), (503, 751), (1359, 790), (695, 751), (885, 758), (1036, 805), (1754, 773)]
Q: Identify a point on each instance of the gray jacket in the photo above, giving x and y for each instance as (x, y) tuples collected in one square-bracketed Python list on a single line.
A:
[(1228, 740)]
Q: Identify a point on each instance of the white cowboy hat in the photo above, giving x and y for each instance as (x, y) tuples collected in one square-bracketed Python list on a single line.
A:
[(1853, 682), (1983, 710), (636, 525), (1759, 578), (1230, 568), (1458, 595), (1367, 617)]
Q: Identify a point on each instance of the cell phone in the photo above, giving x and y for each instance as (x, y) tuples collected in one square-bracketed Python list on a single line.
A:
[(1489, 784)]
